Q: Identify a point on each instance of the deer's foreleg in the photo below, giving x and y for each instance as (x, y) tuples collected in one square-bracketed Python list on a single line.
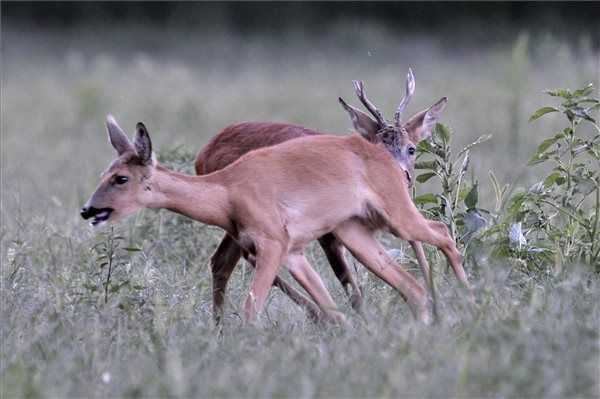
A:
[(361, 243), (428, 231), (267, 262), (223, 261), (296, 296), (448, 246)]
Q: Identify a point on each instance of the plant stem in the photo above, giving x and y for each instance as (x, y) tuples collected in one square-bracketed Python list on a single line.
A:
[(595, 228), (561, 210), (433, 295), (110, 261), (570, 139)]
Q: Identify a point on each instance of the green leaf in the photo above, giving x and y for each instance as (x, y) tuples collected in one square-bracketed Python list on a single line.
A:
[(540, 154), (425, 176), (542, 111), (443, 132), (538, 158), (425, 146), (471, 198), (464, 191), (584, 91), (516, 203), (426, 199), (132, 249), (588, 100), (594, 151), (432, 165), (554, 178), (564, 93)]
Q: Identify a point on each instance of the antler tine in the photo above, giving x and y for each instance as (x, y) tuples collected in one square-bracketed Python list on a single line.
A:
[(360, 93), (410, 90)]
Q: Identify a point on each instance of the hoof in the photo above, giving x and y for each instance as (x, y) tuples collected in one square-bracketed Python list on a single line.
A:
[(424, 313), (426, 317), (356, 301), (337, 317), (471, 298)]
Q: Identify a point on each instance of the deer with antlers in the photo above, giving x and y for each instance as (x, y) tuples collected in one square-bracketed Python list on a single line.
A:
[(399, 138), (270, 202)]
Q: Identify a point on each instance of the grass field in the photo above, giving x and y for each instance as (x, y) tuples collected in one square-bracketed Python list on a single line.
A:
[(529, 336)]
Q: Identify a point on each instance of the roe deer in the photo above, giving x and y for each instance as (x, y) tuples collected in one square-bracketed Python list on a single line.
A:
[(236, 140), (270, 202)]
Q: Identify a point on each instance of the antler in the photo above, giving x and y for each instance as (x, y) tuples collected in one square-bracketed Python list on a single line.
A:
[(360, 93), (410, 90)]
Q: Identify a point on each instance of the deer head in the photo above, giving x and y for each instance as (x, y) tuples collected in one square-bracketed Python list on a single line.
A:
[(126, 185), (400, 137)]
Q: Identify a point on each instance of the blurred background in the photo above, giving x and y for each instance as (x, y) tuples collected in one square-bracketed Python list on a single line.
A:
[(189, 69)]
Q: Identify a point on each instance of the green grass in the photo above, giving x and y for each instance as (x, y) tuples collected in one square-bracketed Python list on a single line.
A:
[(530, 336)]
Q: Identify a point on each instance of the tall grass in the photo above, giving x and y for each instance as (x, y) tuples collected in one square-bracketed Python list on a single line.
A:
[(531, 336)]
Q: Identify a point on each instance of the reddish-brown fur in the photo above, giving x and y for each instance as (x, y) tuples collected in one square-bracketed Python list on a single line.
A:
[(399, 139), (233, 142), (275, 200), (236, 140), (223, 149)]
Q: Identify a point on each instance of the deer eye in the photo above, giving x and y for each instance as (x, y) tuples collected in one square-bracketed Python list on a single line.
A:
[(121, 179), (411, 150)]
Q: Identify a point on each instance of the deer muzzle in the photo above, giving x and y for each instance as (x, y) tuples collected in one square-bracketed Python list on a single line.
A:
[(99, 214)]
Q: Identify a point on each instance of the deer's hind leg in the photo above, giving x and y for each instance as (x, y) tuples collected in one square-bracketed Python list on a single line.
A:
[(334, 251), (421, 259), (363, 245)]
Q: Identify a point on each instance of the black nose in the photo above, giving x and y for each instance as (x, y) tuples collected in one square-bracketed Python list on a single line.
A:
[(88, 212)]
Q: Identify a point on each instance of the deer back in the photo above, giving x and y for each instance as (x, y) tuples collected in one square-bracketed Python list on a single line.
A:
[(238, 139)]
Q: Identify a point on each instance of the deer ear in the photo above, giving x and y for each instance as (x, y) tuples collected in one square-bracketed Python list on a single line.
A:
[(143, 144), (419, 127), (117, 138), (363, 123)]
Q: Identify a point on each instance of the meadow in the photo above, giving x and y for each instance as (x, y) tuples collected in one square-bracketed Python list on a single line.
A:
[(533, 333)]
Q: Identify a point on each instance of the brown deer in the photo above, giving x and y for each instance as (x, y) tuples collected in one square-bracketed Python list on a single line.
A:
[(271, 202), (400, 138)]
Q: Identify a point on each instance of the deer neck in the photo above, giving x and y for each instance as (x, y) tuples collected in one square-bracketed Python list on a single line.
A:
[(198, 197)]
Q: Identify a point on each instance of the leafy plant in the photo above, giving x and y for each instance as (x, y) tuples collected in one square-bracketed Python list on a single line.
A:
[(457, 203), (557, 220), (110, 255)]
